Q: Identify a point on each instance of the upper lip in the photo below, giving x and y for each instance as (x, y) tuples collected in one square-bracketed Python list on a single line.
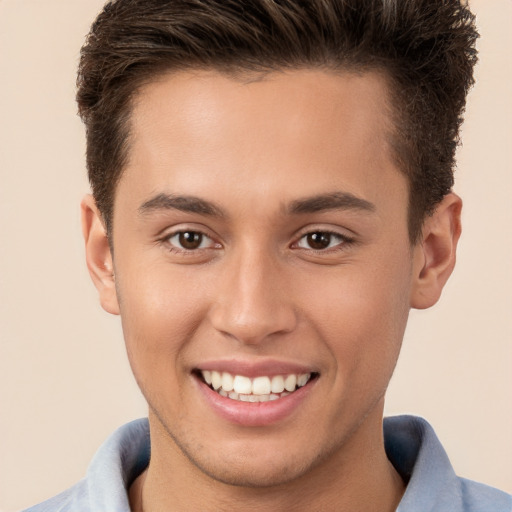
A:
[(268, 367)]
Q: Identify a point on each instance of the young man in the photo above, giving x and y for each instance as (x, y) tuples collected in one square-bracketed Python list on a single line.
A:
[(271, 195)]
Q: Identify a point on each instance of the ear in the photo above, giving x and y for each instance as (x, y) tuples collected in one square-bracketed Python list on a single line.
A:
[(434, 254), (98, 255)]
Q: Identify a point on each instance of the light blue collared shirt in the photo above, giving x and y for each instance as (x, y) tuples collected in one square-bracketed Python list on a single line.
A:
[(411, 445)]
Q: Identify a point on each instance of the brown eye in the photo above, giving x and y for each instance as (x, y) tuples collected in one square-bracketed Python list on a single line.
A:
[(190, 240), (321, 240)]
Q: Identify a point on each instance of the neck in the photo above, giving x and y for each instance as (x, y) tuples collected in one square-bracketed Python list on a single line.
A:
[(361, 478)]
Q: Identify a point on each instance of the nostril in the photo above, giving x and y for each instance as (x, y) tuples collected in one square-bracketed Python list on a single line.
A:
[(252, 328)]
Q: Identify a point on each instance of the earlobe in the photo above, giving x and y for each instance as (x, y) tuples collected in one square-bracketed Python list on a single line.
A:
[(98, 255), (434, 256)]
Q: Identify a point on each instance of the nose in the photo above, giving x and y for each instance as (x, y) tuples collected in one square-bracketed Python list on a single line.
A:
[(253, 303)]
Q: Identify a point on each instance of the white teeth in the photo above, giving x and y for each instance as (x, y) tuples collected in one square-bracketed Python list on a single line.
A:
[(216, 380), (290, 382), (242, 385), (261, 386), (207, 376), (259, 389), (302, 379), (277, 384), (227, 382)]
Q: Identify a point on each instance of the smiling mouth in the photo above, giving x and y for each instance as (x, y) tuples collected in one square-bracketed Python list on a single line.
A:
[(258, 389)]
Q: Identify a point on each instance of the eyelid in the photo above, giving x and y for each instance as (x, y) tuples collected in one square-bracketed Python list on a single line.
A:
[(204, 241), (340, 240), (346, 239), (167, 234)]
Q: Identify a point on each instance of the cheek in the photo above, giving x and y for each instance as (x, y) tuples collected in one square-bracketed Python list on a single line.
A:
[(160, 311), (361, 314)]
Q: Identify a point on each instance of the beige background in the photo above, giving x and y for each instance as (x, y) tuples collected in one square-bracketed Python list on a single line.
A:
[(64, 380)]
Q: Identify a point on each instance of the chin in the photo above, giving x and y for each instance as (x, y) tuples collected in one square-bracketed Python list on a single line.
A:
[(248, 472)]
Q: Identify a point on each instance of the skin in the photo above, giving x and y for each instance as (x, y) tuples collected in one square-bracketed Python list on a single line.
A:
[(256, 290)]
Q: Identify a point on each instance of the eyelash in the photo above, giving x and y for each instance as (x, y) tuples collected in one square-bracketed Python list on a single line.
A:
[(344, 241), (182, 250)]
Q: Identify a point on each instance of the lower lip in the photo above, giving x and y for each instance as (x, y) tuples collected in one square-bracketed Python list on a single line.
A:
[(255, 414)]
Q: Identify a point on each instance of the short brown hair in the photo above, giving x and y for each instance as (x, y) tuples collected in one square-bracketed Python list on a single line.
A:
[(425, 47)]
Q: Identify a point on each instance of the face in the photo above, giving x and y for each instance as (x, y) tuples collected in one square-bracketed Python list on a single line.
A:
[(261, 245)]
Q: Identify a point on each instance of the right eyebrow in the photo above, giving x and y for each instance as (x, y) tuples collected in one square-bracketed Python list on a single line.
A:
[(189, 204), (331, 201)]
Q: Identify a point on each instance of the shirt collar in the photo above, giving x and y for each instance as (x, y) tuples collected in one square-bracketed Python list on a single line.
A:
[(115, 466), (416, 453)]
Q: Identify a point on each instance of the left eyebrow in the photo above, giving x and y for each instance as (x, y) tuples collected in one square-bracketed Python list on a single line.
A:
[(189, 204), (331, 201)]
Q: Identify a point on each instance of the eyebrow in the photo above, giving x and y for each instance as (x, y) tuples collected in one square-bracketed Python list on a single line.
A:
[(314, 204), (331, 201), (189, 204)]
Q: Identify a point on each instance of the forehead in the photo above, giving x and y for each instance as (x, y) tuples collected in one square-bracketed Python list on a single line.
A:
[(200, 103), (207, 132)]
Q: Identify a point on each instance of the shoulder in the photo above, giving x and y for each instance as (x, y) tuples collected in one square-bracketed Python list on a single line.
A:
[(123, 456), (432, 485), (478, 497), (73, 499)]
